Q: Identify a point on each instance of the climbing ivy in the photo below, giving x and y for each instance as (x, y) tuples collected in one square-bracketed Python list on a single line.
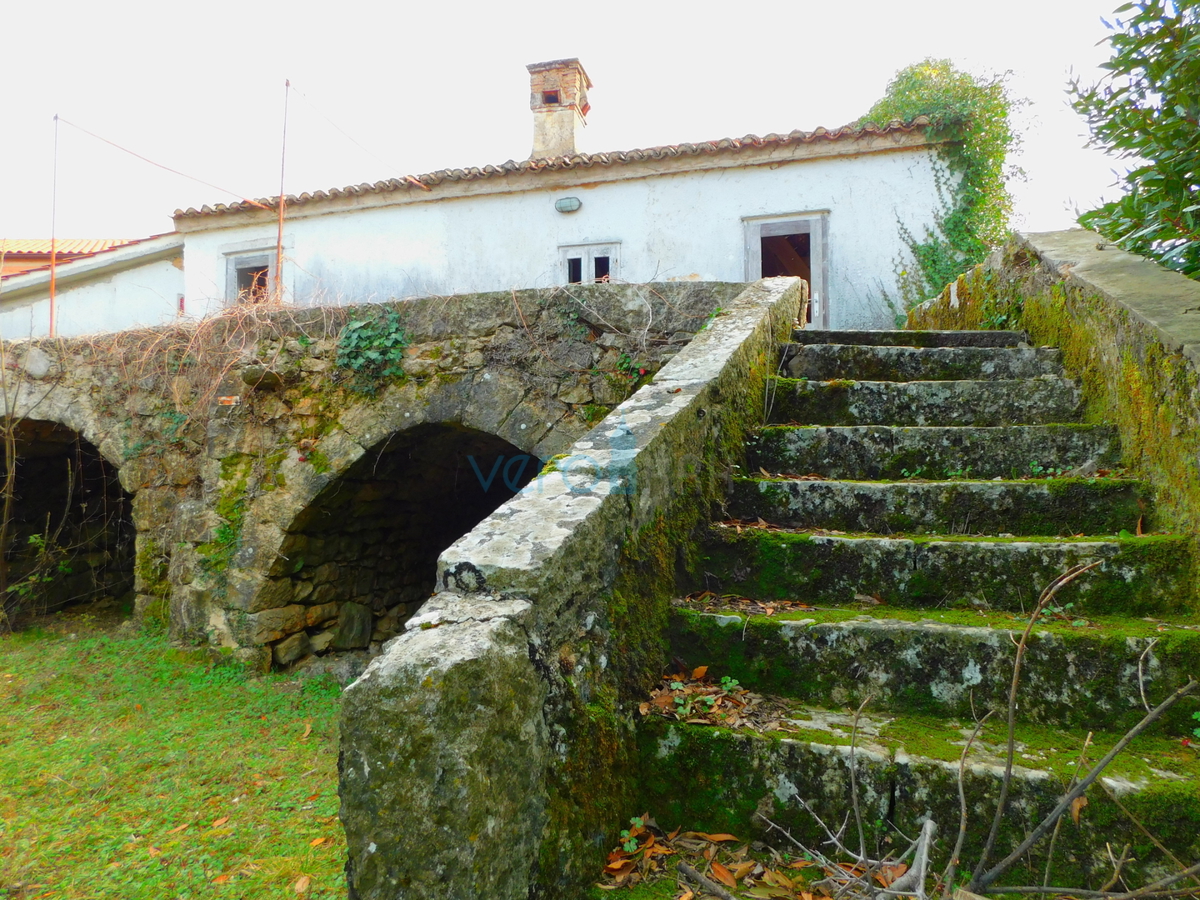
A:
[(971, 116), (372, 348)]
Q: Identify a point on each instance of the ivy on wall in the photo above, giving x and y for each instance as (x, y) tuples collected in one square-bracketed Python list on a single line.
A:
[(972, 116), (372, 348)]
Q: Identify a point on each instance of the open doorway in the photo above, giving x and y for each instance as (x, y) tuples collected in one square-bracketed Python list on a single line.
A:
[(791, 246)]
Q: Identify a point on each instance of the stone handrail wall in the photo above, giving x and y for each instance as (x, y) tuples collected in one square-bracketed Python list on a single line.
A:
[(482, 749), (1128, 328)]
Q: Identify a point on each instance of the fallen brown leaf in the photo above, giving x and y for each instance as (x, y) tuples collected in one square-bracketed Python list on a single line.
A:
[(303, 883), (1077, 806), (723, 875)]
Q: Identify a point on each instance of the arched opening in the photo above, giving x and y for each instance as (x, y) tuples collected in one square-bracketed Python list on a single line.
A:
[(66, 525), (362, 557)]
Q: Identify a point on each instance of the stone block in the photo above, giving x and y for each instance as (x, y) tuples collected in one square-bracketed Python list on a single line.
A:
[(275, 624), (318, 614), (325, 574), (195, 521), (291, 649), (355, 624), (323, 594), (320, 642)]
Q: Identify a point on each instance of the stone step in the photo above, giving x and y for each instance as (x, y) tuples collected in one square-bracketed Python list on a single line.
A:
[(1051, 506), (1029, 401), (911, 338), (1076, 673), (822, 362), (878, 451), (906, 771), (1140, 576)]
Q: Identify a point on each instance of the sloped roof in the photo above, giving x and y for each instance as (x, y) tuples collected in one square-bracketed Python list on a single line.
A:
[(62, 246), (430, 180), (104, 247)]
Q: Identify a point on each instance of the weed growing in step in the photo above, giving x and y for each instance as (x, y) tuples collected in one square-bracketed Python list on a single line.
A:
[(131, 770)]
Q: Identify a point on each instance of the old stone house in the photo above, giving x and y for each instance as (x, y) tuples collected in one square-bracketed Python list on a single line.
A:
[(826, 205)]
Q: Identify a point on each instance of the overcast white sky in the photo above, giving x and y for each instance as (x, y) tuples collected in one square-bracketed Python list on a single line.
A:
[(199, 87)]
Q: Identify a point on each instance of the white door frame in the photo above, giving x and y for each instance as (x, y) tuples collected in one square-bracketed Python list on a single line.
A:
[(815, 224)]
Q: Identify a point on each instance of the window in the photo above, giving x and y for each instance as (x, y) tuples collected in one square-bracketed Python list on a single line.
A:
[(248, 271), (550, 98), (589, 263), (250, 278)]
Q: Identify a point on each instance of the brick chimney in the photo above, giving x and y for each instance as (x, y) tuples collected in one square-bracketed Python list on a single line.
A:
[(558, 98)]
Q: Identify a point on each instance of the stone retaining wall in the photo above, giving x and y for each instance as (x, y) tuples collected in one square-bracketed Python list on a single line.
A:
[(232, 434), (485, 753)]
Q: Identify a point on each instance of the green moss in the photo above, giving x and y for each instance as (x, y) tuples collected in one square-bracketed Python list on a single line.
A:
[(319, 461), (1129, 377), (1152, 574)]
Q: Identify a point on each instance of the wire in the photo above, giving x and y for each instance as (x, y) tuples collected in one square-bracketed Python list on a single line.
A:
[(160, 165), (395, 170), (54, 232)]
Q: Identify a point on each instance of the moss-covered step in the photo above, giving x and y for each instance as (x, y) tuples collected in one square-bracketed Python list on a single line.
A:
[(912, 338), (1139, 575), (1085, 676), (866, 363), (1029, 401), (874, 452), (906, 767), (1048, 506)]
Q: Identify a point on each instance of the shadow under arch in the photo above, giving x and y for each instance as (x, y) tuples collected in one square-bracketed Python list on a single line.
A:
[(66, 529), (362, 556)]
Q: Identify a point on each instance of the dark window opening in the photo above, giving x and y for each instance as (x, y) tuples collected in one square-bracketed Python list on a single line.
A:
[(550, 98), (574, 270), (70, 536), (787, 254), (252, 284), (602, 269), (363, 556)]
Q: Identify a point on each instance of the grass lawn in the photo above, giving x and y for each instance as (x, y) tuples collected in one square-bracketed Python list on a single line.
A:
[(132, 770)]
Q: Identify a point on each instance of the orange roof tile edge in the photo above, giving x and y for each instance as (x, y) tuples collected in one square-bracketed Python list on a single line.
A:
[(62, 246), (578, 161)]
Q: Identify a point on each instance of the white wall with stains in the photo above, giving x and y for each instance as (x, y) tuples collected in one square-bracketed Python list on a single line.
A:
[(686, 225)]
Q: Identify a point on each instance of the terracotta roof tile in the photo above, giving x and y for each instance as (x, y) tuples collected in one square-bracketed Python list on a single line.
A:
[(29, 248), (63, 246), (561, 163)]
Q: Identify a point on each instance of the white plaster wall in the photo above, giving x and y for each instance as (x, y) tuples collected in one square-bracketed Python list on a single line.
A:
[(686, 225), (138, 296)]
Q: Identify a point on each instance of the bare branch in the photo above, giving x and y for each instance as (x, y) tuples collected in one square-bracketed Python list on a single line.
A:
[(1047, 595), (703, 882), (862, 839), (952, 865), (980, 883), (1058, 825), (1142, 828), (1142, 672), (1118, 865)]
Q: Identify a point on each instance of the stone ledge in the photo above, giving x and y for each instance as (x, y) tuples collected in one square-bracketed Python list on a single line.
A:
[(1164, 300)]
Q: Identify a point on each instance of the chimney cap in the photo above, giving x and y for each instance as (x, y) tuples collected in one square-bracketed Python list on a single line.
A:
[(571, 63)]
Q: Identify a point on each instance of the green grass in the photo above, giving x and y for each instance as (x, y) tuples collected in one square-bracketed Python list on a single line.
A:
[(120, 757)]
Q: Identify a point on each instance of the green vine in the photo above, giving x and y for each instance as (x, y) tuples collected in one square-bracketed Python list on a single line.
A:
[(372, 349), (970, 117)]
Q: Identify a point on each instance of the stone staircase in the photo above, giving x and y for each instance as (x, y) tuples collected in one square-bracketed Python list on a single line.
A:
[(888, 537)]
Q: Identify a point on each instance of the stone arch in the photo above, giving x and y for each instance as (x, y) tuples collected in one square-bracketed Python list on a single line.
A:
[(361, 557), (70, 535)]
